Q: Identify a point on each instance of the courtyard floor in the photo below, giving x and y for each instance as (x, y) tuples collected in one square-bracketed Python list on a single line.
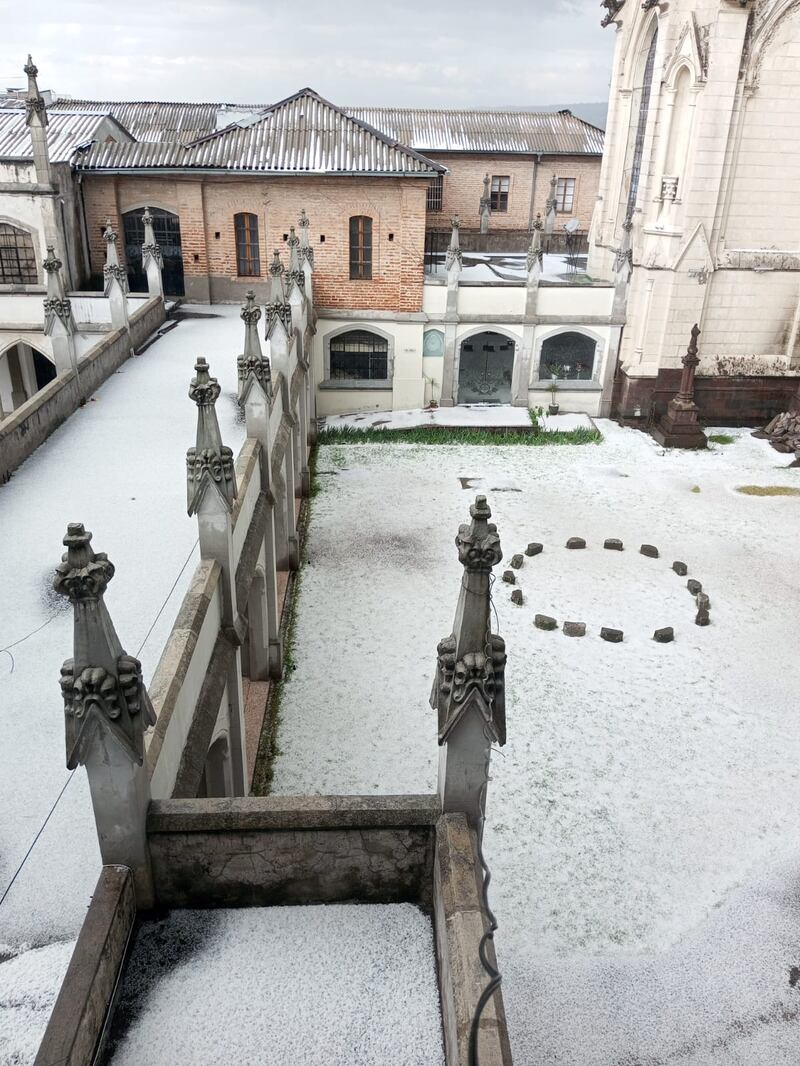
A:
[(642, 819)]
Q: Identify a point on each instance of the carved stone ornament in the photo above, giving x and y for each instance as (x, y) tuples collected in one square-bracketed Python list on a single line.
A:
[(454, 254), (115, 272), (535, 255), (669, 188), (478, 543), (623, 257), (109, 236), (57, 307), (52, 264), (82, 574), (306, 251), (613, 8), (256, 366), (210, 462), (477, 677), (30, 68), (251, 312)]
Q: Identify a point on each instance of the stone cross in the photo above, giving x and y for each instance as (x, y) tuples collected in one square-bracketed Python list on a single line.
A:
[(485, 205), (152, 259), (116, 280), (469, 692), (253, 366), (107, 712), (550, 207)]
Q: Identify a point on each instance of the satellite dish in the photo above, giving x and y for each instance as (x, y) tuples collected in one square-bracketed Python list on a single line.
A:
[(572, 225)]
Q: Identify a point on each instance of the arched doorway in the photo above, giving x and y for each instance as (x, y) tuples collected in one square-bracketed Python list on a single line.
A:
[(23, 371), (485, 368), (167, 230)]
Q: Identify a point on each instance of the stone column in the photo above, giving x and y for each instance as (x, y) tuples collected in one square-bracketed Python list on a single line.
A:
[(152, 259), (116, 281), (453, 263), (210, 491), (623, 268), (59, 324), (485, 205), (680, 426), (520, 383), (107, 711), (255, 395), (468, 692)]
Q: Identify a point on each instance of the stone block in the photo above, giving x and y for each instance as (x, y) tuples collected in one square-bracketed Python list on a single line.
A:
[(613, 636), (516, 597), (650, 550), (703, 601), (576, 542), (681, 569), (702, 618), (575, 629), (613, 544), (665, 635), (694, 586), (509, 577), (544, 621), (534, 548), (517, 561)]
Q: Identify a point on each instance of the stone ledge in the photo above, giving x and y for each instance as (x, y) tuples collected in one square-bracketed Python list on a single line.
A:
[(290, 812), (346, 384)]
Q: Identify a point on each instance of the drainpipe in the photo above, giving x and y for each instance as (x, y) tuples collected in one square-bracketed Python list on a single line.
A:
[(87, 263), (536, 164)]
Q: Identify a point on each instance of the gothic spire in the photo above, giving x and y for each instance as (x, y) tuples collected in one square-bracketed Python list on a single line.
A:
[(278, 307), (253, 366), (210, 462)]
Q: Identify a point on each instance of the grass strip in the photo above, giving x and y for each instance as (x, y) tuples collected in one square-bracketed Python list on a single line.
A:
[(456, 435)]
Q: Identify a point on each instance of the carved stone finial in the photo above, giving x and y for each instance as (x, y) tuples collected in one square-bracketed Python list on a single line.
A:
[(691, 358), (109, 233), (30, 68), (535, 256), (454, 256), (210, 462), (537, 222), (35, 109), (306, 251), (253, 365), (113, 272), (276, 267), (51, 263), (278, 308), (478, 543), (294, 275), (151, 249), (57, 308), (101, 685)]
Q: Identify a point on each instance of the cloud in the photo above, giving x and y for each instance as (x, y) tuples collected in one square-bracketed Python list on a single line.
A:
[(454, 53)]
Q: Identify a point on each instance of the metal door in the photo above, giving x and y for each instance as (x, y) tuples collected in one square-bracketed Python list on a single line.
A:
[(485, 369), (167, 229)]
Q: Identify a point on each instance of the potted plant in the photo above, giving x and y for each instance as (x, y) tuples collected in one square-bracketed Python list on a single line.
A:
[(552, 407)]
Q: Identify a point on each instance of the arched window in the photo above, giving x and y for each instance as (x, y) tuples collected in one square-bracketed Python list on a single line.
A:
[(636, 149), (359, 355), (360, 248), (248, 261), (17, 257), (567, 355)]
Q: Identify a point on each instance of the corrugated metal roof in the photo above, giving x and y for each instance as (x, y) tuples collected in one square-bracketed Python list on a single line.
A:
[(65, 131), (302, 134), (152, 120), (446, 130)]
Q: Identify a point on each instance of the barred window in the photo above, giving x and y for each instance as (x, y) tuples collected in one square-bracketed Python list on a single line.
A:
[(435, 194), (498, 197), (248, 261), (565, 195), (360, 248), (359, 355), (17, 257)]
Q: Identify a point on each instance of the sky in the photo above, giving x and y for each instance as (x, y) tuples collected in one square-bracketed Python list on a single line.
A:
[(412, 53)]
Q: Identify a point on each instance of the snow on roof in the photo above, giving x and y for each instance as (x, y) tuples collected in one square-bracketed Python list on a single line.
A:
[(156, 120), (66, 130), (304, 133), (457, 130)]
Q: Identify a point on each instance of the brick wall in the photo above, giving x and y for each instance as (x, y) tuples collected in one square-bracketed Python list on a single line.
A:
[(206, 208), (463, 188)]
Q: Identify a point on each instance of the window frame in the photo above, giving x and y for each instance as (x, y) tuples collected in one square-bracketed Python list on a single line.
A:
[(499, 195), (434, 197), (360, 234), (21, 243), (246, 240), (337, 338), (569, 186)]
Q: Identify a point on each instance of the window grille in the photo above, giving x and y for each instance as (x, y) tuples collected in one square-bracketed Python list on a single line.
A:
[(359, 355), (568, 355), (565, 195), (360, 248), (435, 194), (498, 196), (17, 257), (248, 260)]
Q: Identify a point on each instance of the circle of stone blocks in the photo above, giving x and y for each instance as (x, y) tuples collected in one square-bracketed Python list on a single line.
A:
[(702, 601), (544, 621), (517, 561), (613, 544), (534, 548), (694, 586), (516, 597), (509, 577), (665, 635), (613, 636), (650, 550), (576, 542), (681, 569), (574, 629)]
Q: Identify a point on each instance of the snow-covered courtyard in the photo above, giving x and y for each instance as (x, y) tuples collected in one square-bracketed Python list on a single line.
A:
[(642, 819)]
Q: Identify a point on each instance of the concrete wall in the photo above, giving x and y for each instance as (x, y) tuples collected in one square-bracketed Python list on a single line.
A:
[(32, 423), (292, 849)]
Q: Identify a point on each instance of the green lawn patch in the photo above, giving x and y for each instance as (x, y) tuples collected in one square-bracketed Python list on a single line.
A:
[(767, 490), (455, 435), (722, 438)]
